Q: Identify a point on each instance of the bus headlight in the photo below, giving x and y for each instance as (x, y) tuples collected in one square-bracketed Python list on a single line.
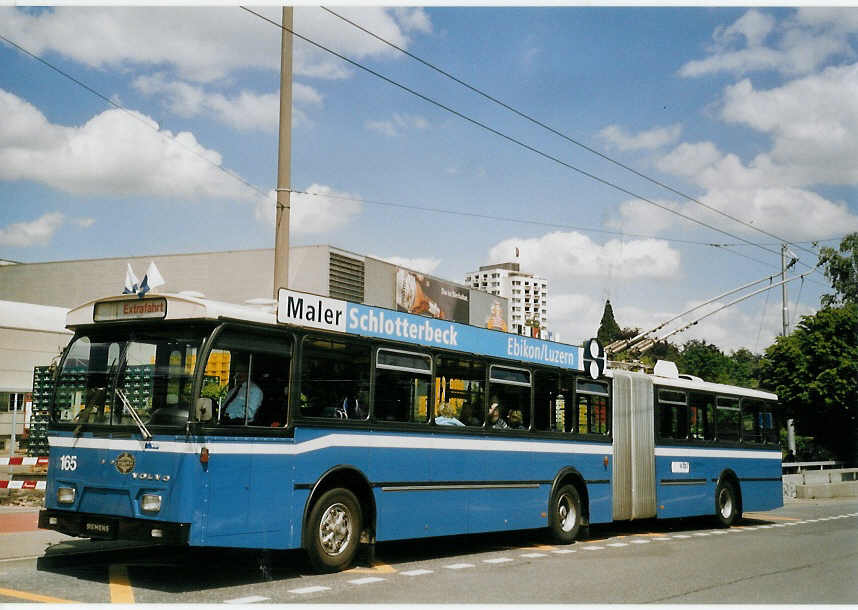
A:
[(65, 495), (150, 503)]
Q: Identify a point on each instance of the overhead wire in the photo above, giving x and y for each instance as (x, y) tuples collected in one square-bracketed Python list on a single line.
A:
[(566, 137), (499, 133), (261, 192)]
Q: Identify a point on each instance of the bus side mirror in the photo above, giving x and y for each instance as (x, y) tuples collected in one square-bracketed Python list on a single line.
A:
[(203, 412)]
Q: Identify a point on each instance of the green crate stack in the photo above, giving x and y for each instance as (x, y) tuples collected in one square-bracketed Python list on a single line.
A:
[(138, 386), (43, 383)]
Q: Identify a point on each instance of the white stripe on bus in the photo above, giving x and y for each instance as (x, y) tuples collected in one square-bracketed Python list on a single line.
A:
[(381, 441), (719, 453)]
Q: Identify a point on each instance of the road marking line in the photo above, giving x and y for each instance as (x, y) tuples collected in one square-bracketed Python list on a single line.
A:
[(681, 536), (641, 541), (497, 560), (459, 566), (33, 597), (120, 585), (765, 527), (305, 590), (534, 555), (664, 538), (768, 517), (780, 524), (367, 580), (593, 548), (618, 544), (417, 572), (718, 532), (376, 568), (563, 551), (700, 534), (247, 600)]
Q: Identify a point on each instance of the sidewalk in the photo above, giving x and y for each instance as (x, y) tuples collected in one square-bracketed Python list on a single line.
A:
[(19, 536)]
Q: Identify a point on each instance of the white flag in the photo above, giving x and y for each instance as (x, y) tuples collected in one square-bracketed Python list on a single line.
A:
[(153, 277), (131, 282)]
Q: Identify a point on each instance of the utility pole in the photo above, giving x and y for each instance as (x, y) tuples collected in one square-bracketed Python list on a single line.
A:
[(784, 290), (284, 161), (790, 422)]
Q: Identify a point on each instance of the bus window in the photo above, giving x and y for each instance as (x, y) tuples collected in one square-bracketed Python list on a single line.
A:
[(728, 423), (509, 402), (592, 402), (549, 403), (459, 391), (334, 379), (758, 422), (402, 382), (248, 376), (673, 414), (701, 416)]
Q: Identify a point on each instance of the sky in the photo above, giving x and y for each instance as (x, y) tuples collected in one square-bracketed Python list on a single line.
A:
[(748, 115)]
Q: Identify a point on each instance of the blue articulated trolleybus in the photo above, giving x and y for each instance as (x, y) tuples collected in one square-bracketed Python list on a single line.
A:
[(188, 421)]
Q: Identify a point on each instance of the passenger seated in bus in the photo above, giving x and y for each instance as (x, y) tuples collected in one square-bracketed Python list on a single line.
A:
[(467, 415), (516, 421), (240, 405), (495, 420)]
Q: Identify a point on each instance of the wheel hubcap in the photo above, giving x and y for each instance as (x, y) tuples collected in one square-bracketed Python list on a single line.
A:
[(335, 529), (567, 513), (725, 500)]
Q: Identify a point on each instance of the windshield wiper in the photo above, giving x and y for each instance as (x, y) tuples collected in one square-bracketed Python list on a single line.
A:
[(127, 404)]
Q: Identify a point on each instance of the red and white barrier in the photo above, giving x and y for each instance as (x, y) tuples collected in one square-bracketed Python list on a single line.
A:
[(22, 484), (23, 461)]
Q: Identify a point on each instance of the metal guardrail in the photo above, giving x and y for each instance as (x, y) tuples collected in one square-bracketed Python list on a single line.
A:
[(802, 466)]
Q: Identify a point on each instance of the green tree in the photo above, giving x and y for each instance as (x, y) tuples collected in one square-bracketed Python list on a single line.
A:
[(814, 372), (704, 360), (744, 368), (609, 330), (841, 268)]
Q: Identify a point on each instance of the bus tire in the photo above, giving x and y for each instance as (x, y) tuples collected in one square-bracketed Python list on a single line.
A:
[(565, 515), (334, 529), (726, 504)]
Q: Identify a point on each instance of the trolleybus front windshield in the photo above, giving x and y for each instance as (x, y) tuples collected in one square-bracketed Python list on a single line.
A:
[(104, 378)]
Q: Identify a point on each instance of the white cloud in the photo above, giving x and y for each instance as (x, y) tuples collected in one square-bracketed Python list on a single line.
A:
[(574, 316), (245, 111), (37, 232), (206, 44), (398, 124), (114, 153), (799, 45), (813, 122), (424, 265), (650, 139), (325, 211), (643, 218), (560, 255)]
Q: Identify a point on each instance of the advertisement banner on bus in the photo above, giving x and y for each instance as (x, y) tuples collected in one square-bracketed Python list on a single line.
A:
[(332, 314)]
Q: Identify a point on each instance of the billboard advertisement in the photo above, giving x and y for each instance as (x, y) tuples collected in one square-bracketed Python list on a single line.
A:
[(423, 295), (488, 311)]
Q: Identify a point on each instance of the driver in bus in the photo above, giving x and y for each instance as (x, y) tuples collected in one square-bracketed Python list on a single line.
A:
[(245, 397)]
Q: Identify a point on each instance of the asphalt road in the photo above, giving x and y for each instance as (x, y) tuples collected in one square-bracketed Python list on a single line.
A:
[(805, 552)]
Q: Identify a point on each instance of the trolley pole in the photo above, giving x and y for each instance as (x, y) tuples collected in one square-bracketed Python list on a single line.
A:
[(284, 161)]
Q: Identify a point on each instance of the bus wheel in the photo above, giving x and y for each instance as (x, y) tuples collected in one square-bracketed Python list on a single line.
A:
[(726, 504), (565, 516), (334, 531)]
